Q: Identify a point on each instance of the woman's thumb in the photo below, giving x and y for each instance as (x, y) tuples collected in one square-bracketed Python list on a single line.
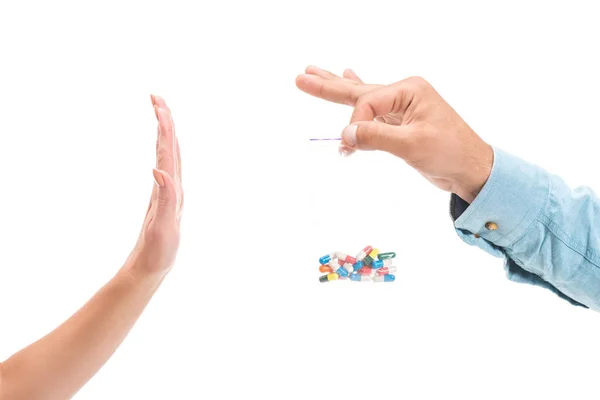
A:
[(166, 197)]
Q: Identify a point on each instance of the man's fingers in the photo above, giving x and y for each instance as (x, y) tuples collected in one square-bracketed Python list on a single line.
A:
[(349, 74), (337, 91), (312, 70), (377, 136), (391, 99)]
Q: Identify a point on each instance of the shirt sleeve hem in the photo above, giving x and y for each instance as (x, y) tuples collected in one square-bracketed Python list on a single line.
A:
[(512, 199)]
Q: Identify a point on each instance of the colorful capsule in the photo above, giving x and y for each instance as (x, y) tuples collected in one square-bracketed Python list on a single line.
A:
[(328, 277), (363, 253), (337, 268), (342, 272), (384, 278), (381, 263), (326, 258), (345, 258), (386, 256), (386, 270), (360, 278), (326, 269), (369, 265), (374, 253), (348, 267)]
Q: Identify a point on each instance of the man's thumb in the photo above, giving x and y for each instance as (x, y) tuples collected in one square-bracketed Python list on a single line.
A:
[(375, 136)]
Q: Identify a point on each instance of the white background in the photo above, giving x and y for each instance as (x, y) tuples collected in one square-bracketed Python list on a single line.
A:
[(242, 315)]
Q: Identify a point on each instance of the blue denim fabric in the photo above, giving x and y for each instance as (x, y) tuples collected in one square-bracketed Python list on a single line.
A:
[(548, 234)]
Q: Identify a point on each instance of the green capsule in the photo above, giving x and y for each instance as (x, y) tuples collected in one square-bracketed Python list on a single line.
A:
[(385, 256), (328, 277), (367, 260)]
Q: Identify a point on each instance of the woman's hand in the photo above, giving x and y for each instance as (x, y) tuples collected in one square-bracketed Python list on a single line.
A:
[(57, 365), (412, 121), (156, 248)]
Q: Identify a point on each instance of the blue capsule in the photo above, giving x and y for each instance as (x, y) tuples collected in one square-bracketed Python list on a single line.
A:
[(325, 259), (342, 272), (388, 262), (358, 277), (357, 265), (384, 278)]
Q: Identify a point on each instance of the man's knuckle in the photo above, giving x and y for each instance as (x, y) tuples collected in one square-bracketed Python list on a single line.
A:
[(417, 80), (370, 133), (360, 101), (418, 83), (352, 95), (363, 105)]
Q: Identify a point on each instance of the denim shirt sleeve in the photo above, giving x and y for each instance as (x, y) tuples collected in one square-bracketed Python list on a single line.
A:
[(548, 234)]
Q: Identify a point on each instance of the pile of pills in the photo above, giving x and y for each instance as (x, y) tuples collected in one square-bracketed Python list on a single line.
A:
[(368, 266)]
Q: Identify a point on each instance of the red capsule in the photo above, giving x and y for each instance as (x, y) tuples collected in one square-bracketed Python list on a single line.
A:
[(363, 253), (345, 258), (365, 271), (326, 269), (341, 262), (386, 270)]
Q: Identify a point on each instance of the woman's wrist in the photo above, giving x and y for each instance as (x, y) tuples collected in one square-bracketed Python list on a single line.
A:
[(138, 272)]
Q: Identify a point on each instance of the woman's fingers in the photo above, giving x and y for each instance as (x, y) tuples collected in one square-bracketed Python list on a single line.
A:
[(179, 185), (163, 105), (168, 161), (178, 159), (154, 187), (165, 156), (164, 195)]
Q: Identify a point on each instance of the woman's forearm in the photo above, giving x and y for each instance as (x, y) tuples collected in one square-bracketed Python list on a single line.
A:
[(59, 364)]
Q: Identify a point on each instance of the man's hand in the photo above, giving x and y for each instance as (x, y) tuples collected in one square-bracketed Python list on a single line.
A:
[(410, 120)]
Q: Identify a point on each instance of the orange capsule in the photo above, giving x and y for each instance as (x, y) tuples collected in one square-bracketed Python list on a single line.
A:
[(326, 269)]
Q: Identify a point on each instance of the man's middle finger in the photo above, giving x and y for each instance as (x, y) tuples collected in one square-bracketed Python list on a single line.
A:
[(337, 91)]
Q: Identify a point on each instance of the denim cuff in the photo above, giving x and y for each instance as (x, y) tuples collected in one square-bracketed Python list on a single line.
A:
[(510, 201)]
